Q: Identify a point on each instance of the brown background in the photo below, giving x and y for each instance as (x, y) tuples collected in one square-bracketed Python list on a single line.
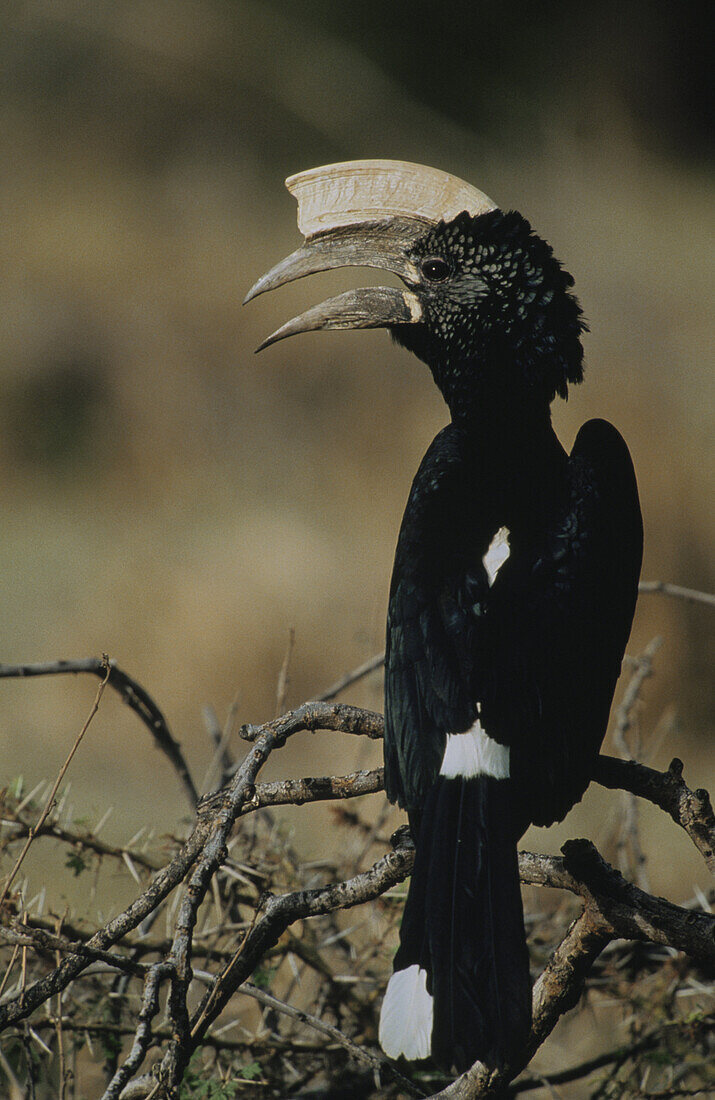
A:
[(170, 499)]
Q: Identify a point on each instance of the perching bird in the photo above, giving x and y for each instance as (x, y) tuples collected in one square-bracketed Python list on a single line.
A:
[(514, 583)]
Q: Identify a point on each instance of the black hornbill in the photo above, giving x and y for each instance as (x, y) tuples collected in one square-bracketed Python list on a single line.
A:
[(514, 583)]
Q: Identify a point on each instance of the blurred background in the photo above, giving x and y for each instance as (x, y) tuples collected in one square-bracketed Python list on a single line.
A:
[(174, 501)]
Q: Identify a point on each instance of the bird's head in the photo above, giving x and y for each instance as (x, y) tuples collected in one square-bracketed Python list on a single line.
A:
[(486, 304)]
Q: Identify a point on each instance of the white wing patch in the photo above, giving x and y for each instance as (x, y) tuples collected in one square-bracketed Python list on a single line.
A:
[(474, 753), (497, 553), (406, 1015)]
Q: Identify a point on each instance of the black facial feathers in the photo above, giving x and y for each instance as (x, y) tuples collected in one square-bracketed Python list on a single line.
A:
[(498, 310)]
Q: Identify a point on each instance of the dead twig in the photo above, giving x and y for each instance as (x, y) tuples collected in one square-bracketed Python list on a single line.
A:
[(21, 934), (132, 693), (359, 1053), (211, 855), (353, 677), (630, 849), (613, 909), (677, 591), (49, 801), (284, 674), (280, 912), (143, 1034), (590, 1065), (691, 810), (162, 885), (82, 840), (320, 716)]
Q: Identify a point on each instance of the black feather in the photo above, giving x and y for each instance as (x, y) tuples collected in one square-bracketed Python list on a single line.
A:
[(536, 654), (478, 960)]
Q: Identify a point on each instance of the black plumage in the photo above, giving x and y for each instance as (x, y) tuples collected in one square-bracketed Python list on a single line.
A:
[(499, 673), (536, 654)]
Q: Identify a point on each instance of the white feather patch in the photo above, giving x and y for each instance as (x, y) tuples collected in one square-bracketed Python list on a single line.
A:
[(406, 1015), (474, 753), (497, 553)]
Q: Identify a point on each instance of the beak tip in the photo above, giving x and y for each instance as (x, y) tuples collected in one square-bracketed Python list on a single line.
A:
[(267, 342)]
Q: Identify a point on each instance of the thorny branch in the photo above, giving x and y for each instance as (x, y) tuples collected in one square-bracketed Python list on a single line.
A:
[(132, 693), (22, 934), (626, 738), (677, 592), (692, 810), (49, 801), (81, 840), (621, 1054), (613, 910)]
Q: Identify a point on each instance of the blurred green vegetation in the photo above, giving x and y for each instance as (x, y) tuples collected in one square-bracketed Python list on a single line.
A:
[(170, 499)]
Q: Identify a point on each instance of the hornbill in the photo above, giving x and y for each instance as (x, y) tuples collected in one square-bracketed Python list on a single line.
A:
[(514, 583)]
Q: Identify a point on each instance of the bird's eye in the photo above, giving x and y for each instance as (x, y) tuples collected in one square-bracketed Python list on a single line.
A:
[(435, 269)]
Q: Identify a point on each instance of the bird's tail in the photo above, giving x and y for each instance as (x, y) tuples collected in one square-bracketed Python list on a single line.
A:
[(460, 990)]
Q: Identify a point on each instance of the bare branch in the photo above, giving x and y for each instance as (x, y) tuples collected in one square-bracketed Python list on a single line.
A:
[(627, 910), (691, 810), (131, 692), (353, 677), (143, 1036), (380, 1064), (316, 789), (320, 716), (612, 909), (631, 858), (280, 912), (561, 983), (633, 914), (84, 840), (213, 854), (49, 801), (162, 885), (25, 935), (284, 674), (677, 591), (642, 670)]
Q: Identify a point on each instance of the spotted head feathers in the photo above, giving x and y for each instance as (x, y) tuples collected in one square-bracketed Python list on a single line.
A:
[(497, 309)]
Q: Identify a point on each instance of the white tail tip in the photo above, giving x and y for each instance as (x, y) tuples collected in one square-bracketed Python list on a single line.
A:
[(406, 1016)]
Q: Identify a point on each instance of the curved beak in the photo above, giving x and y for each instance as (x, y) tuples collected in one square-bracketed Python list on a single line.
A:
[(371, 307), (381, 243)]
